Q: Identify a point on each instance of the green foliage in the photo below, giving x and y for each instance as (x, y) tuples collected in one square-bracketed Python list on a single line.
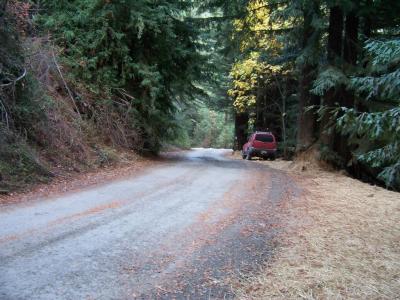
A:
[(148, 48), (201, 126), (105, 156), (18, 164), (11, 64), (31, 102), (384, 53), (212, 130), (11, 58), (21, 110), (379, 127), (382, 78), (329, 79)]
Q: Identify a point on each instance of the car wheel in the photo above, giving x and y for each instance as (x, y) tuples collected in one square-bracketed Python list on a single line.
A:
[(273, 157), (243, 155), (248, 156)]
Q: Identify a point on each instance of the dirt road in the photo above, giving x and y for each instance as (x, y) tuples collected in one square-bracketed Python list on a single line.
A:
[(181, 230)]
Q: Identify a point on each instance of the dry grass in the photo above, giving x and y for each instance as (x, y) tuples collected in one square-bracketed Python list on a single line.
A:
[(342, 242)]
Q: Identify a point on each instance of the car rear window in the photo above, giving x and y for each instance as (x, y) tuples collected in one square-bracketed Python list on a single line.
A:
[(266, 138)]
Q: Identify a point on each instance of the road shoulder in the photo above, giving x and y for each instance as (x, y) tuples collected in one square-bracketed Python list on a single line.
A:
[(340, 240), (74, 181)]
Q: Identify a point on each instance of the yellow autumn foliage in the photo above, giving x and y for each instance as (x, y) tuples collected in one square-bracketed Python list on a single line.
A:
[(255, 31)]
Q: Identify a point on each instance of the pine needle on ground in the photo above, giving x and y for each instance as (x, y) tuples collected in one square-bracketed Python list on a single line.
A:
[(341, 241)]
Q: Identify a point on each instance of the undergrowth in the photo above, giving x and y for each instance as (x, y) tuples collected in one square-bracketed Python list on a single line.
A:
[(18, 164)]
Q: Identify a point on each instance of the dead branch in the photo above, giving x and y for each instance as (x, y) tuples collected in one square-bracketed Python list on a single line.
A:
[(13, 82), (5, 113), (65, 83)]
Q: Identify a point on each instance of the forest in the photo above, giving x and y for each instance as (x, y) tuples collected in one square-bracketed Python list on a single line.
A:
[(83, 80)]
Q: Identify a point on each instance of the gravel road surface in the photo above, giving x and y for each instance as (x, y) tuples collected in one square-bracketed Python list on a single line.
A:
[(182, 230)]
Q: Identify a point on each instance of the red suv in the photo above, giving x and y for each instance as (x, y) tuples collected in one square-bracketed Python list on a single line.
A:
[(260, 144)]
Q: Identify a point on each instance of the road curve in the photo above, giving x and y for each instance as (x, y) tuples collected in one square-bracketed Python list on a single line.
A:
[(178, 231)]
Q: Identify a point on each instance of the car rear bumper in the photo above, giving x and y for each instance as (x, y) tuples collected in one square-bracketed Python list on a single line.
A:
[(262, 152)]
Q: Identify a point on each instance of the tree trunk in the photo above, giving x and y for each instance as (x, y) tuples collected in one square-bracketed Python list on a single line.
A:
[(367, 24), (307, 121), (241, 127), (307, 124), (283, 118), (259, 122), (3, 6), (351, 38), (350, 53), (335, 32)]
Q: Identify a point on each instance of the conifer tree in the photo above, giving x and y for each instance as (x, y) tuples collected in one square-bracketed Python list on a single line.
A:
[(146, 51)]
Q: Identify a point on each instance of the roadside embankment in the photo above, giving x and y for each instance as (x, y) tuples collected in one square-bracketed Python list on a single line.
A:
[(128, 164)]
